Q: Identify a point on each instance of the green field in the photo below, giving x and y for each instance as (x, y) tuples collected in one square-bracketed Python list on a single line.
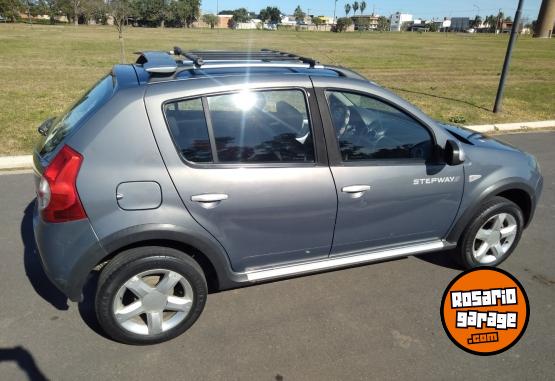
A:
[(44, 68)]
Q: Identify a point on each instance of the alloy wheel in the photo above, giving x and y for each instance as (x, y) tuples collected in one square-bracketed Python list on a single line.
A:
[(153, 302), (494, 238)]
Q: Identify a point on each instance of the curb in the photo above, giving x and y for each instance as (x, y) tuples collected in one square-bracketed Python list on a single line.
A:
[(506, 127), (16, 162), (26, 161)]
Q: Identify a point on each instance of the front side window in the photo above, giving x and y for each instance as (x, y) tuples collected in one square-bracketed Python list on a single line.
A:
[(369, 129), (261, 127)]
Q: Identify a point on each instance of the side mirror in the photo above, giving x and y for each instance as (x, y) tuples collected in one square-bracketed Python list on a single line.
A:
[(454, 154)]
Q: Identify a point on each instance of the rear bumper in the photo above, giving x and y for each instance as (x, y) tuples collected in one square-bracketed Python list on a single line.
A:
[(64, 249)]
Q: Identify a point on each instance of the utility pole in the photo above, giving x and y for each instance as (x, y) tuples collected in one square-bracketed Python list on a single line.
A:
[(514, 32), (546, 20), (334, 9)]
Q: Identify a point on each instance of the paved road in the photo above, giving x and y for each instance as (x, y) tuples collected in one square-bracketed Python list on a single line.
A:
[(378, 321)]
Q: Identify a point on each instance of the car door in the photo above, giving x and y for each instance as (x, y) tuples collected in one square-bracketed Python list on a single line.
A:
[(392, 188), (251, 171)]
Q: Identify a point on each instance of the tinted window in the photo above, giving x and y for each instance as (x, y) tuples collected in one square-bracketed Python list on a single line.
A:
[(188, 128), (84, 107), (368, 129), (261, 127)]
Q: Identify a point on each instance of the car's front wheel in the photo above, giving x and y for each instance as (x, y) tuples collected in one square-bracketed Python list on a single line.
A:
[(492, 235), (147, 295)]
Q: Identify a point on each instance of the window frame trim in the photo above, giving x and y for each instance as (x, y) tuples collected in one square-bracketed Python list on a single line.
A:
[(320, 153), (332, 145)]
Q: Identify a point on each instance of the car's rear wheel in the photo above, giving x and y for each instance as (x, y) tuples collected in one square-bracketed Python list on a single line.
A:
[(147, 295), (492, 235)]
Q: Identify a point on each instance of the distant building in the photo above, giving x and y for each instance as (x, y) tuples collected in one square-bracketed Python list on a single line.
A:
[(223, 21), (326, 20), (366, 22), (397, 20), (440, 25), (460, 24), (251, 24)]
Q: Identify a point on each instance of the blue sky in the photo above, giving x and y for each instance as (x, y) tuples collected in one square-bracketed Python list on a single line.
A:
[(419, 8)]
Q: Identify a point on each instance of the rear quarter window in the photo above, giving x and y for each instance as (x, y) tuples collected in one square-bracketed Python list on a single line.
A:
[(64, 125)]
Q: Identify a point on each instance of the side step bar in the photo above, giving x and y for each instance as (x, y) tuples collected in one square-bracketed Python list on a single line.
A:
[(330, 263)]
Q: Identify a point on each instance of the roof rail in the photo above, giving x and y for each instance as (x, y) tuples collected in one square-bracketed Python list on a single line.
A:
[(164, 65), (310, 61), (198, 58), (157, 62)]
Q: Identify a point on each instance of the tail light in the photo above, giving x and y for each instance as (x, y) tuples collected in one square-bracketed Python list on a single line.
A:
[(58, 199)]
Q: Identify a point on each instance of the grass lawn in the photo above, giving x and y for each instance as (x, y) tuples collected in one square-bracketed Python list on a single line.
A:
[(45, 68)]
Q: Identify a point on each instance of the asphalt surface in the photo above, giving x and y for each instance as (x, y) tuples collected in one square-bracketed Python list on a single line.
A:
[(379, 321)]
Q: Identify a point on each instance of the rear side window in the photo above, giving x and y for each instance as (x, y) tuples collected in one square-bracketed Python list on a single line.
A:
[(261, 127), (189, 131), (97, 96), (247, 127)]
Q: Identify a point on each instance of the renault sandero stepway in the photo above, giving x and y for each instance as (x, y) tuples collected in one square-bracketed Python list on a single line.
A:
[(191, 172)]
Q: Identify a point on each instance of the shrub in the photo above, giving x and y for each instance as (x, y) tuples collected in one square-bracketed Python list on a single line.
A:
[(342, 24)]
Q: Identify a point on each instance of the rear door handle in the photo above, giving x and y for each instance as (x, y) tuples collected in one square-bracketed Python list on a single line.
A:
[(209, 201), (213, 197), (356, 191)]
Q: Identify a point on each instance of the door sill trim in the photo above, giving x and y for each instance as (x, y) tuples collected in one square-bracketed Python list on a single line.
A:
[(330, 263)]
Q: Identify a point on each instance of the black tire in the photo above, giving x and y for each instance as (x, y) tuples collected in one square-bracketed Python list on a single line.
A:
[(132, 262), (487, 210)]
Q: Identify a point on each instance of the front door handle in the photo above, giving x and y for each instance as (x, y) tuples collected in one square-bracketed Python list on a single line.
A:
[(209, 201), (356, 191)]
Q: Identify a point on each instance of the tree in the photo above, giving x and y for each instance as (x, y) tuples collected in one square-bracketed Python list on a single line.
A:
[(317, 21), (77, 7), (186, 11), (210, 19), (347, 9), (355, 7), (342, 24), (383, 24), (10, 9), (271, 15), (240, 15), (93, 10), (491, 20), (433, 27), (120, 11), (477, 22), (299, 15), (362, 7)]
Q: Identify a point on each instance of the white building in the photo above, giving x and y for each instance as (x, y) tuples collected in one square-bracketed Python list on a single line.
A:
[(397, 19), (288, 20)]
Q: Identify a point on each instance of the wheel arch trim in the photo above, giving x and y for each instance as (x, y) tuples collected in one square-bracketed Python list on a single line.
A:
[(493, 190), (135, 235)]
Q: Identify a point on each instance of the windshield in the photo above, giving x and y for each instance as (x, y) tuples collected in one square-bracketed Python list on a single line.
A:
[(65, 124)]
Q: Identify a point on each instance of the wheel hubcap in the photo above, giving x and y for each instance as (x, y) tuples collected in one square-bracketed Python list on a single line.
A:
[(494, 238), (153, 301)]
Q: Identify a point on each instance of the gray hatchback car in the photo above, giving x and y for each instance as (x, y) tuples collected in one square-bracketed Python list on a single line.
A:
[(190, 172)]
